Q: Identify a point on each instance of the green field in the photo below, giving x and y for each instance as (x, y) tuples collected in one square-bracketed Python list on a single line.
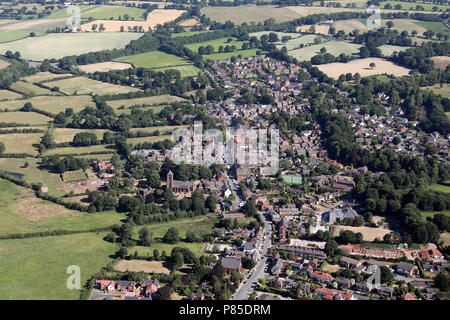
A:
[(291, 179), (21, 142), (188, 33), (388, 50), (215, 43), (412, 5), (52, 104), (196, 247), (58, 45), (152, 139), (296, 42), (440, 187), (30, 118), (333, 47), (76, 150), (444, 91), (436, 27), (161, 61), (35, 268), (153, 100), (103, 12), (13, 35), (31, 89)]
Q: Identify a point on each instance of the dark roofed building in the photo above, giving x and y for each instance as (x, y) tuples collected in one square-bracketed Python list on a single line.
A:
[(231, 263)]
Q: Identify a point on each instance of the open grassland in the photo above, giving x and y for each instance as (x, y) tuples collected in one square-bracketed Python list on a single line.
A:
[(441, 62), (349, 25), (32, 174), (104, 67), (444, 91), (161, 61), (43, 76), (58, 45), (9, 95), (61, 135), (296, 42), (76, 150), (12, 35), (36, 268), (406, 5), (21, 142), (388, 50), (158, 16), (152, 139), (52, 104), (30, 118), (361, 66), (143, 265), (83, 85), (333, 47), (369, 234), (154, 100), (249, 13), (31, 89)]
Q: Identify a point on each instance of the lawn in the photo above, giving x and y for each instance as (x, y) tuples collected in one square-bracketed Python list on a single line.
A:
[(58, 45), (31, 118), (83, 85), (441, 187), (333, 47), (35, 268), (161, 61), (52, 104)]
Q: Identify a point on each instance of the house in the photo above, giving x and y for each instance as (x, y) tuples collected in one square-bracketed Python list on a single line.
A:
[(276, 266), (385, 291), (345, 283), (321, 276), (178, 186), (126, 286), (231, 264), (233, 216), (407, 269), (105, 285), (149, 287), (349, 263)]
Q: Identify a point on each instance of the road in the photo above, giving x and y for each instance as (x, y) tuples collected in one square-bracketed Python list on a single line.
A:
[(259, 271)]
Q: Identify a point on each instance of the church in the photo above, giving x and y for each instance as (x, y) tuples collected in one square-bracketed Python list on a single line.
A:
[(178, 186)]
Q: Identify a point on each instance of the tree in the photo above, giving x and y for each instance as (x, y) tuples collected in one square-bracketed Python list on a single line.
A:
[(211, 202), (372, 65), (385, 275), (441, 282), (172, 236), (122, 253), (389, 24), (331, 248), (177, 261), (94, 27), (250, 208), (2, 147), (145, 237), (164, 293)]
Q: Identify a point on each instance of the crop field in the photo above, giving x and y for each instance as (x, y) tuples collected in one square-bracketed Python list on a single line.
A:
[(35, 268), (295, 43), (361, 66), (143, 265), (441, 62), (52, 104), (32, 118), (43, 76), (9, 95), (83, 85), (31, 89), (104, 67), (436, 27), (154, 100), (444, 91), (249, 13), (61, 135), (333, 47), (388, 50), (158, 16), (58, 45), (21, 142)]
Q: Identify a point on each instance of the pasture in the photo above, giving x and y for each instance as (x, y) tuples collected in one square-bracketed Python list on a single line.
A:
[(104, 67), (333, 47), (361, 66), (196, 247), (154, 100), (83, 85), (61, 135), (114, 12), (388, 50), (43, 76), (21, 142), (31, 118), (30, 89), (52, 104), (35, 268), (158, 16), (58, 45), (436, 27), (444, 91), (228, 55), (152, 139), (76, 150), (349, 25), (9, 95), (12, 35), (296, 42)]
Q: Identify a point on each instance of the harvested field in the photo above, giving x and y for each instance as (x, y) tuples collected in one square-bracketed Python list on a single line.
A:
[(9, 95), (155, 100), (158, 16), (104, 67), (31, 89), (58, 45), (320, 28), (369, 234), (44, 76), (189, 23), (31, 118), (441, 62), (52, 104), (33, 24), (361, 66), (142, 265), (83, 85)]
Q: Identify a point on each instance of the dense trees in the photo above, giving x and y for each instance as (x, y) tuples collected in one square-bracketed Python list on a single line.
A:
[(61, 165), (83, 139)]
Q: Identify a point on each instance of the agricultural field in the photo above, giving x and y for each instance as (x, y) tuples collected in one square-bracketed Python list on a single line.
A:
[(58, 45), (319, 28), (388, 50), (83, 85), (9, 95), (76, 150), (369, 234), (189, 23), (187, 33), (158, 16), (228, 55), (155, 109), (333, 47), (35, 268), (436, 27), (44, 76), (32, 118), (152, 139), (154, 100), (362, 67), (437, 89), (143, 265), (161, 129), (406, 25), (61, 135), (108, 12), (104, 67), (349, 25), (52, 104), (412, 5), (13, 35), (296, 42), (21, 142), (441, 62), (30, 89)]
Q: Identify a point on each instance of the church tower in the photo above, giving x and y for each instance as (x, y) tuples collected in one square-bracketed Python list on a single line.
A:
[(169, 179)]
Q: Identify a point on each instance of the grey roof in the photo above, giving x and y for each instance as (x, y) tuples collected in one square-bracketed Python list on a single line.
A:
[(231, 263)]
